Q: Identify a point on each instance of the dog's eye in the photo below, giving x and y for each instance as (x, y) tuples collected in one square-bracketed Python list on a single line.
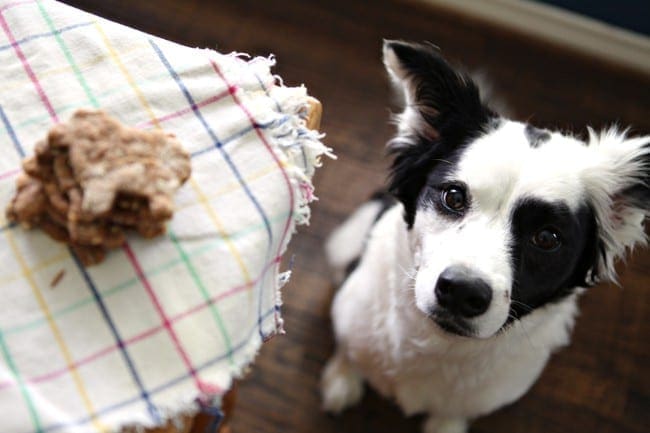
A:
[(547, 239), (453, 197)]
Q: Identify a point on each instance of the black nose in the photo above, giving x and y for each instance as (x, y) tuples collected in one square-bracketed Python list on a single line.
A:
[(462, 293)]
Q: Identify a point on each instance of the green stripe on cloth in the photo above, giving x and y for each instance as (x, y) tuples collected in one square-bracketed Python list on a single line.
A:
[(23, 389), (68, 56), (41, 118), (206, 296)]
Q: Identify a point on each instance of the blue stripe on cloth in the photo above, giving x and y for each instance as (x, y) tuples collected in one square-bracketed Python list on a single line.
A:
[(231, 164), (218, 144), (12, 133), (280, 110), (217, 417), (120, 343), (45, 35), (160, 388), (19, 150), (239, 134), (235, 136)]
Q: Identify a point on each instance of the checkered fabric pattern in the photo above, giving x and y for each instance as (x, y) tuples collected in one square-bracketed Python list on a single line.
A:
[(161, 323)]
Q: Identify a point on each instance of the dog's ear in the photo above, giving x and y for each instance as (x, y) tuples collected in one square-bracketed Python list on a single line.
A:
[(618, 183), (438, 99), (442, 112)]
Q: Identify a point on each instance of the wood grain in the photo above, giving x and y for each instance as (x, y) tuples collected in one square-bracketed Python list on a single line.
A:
[(600, 384)]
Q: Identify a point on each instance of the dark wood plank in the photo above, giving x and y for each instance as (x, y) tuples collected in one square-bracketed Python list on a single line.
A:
[(601, 382)]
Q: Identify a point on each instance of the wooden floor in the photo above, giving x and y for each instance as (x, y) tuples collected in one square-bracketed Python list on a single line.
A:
[(601, 383)]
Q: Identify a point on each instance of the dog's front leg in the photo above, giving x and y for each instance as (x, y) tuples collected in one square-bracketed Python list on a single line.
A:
[(341, 384), (435, 424)]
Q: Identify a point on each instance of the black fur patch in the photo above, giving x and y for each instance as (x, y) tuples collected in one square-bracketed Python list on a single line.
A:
[(536, 136), (449, 105), (542, 276), (352, 266)]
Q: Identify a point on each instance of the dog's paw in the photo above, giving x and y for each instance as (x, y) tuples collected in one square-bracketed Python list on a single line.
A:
[(444, 425), (341, 385)]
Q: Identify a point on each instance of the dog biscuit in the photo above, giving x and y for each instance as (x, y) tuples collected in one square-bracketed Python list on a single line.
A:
[(92, 179)]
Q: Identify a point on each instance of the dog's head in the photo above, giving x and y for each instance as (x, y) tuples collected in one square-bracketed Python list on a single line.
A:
[(504, 218)]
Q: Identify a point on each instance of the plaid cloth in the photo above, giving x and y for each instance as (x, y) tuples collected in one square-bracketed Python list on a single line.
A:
[(163, 322)]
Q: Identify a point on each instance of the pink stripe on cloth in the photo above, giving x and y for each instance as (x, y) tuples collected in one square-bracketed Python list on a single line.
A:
[(161, 312), (10, 173), (179, 113), (268, 147), (28, 69), (18, 3)]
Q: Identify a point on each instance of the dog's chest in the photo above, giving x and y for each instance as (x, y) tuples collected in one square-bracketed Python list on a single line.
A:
[(425, 372), (405, 360), (470, 383)]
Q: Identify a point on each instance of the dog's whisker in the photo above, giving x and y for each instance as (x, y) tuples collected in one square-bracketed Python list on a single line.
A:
[(519, 323), (410, 275), (516, 302), (443, 160)]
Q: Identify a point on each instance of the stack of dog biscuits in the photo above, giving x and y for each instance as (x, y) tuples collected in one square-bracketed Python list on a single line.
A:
[(92, 179)]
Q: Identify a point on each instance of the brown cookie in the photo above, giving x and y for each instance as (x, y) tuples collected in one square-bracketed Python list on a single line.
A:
[(29, 203), (93, 178), (108, 159)]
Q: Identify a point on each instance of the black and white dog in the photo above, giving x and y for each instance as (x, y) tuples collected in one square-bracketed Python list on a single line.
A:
[(465, 285)]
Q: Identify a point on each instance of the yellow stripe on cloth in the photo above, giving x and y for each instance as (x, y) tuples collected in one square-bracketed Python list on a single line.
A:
[(27, 272), (197, 189), (50, 261), (116, 58)]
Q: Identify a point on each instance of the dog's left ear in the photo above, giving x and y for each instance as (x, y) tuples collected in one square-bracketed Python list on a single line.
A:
[(442, 112), (619, 186)]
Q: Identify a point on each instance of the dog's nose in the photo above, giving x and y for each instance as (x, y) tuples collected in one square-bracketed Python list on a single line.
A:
[(462, 293)]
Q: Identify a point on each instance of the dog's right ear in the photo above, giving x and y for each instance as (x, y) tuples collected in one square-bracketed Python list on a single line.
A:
[(442, 112), (439, 101)]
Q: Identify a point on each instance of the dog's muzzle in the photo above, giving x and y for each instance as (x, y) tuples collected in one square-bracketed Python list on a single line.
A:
[(460, 295)]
